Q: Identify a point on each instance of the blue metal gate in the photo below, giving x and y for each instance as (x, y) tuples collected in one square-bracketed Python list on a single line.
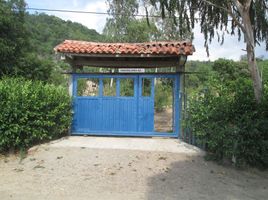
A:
[(129, 113)]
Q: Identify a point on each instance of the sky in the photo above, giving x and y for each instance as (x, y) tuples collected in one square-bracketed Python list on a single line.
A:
[(231, 49)]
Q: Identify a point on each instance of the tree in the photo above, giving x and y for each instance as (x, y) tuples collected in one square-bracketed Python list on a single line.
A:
[(124, 26), (247, 17), (122, 13), (138, 30), (13, 35), (167, 27), (135, 30), (17, 57), (33, 67)]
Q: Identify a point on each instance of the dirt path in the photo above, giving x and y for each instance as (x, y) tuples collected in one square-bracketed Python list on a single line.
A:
[(163, 120), (85, 173)]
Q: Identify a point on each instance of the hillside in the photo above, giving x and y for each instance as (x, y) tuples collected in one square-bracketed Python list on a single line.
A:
[(47, 31)]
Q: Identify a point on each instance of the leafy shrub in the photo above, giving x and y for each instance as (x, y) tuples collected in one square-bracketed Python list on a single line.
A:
[(232, 125), (160, 98), (163, 95), (33, 67), (226, 118), (127, 87), (31, 112)]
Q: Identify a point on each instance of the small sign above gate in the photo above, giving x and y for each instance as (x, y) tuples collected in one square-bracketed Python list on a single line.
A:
[(131, 70)]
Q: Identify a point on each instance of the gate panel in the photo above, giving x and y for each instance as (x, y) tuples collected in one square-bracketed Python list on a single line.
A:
[(119, 112)]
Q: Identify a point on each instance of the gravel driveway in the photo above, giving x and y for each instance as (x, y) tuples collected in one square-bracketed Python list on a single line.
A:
[(67, 169)]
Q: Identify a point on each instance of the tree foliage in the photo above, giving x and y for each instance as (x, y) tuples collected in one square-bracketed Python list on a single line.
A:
[(13, 34), (125, 26), (48, 31), (34, 67), (122, 14), (214, 15), (263, 64), (136, 30), (247, 17), (168, 30)]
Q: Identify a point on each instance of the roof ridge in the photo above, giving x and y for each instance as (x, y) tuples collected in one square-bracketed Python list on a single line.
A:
[(149, 42), (153, 47)]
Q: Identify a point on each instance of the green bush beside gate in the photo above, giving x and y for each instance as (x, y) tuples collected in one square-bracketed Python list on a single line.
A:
[(31, 112), (225, 118)]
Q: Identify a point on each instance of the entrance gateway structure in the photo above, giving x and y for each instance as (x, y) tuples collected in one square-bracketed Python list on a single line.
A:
[(132, 99)]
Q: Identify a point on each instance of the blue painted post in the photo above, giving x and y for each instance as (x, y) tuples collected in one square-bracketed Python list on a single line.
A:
[(178, 105)]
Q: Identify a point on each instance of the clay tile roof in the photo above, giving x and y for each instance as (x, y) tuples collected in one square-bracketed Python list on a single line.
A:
[(154, 48)]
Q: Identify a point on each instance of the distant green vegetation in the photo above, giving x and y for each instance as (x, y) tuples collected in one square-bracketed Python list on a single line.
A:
[(263, 65), (45, 32), (201, 71), (48, 31), (198, 73)]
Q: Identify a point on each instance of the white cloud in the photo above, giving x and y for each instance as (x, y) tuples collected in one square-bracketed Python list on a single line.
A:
[(92, 21)]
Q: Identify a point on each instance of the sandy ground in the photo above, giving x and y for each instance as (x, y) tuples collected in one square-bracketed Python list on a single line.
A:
[(71, 172)]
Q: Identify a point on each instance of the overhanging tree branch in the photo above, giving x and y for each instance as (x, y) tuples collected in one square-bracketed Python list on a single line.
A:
[(215, 5), (229, 11), (234, 17)]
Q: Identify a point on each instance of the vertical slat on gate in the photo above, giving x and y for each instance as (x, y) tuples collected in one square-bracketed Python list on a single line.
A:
[(137, 101)]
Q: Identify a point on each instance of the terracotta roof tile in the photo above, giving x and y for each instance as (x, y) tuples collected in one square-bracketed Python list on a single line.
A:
[(155, 48)]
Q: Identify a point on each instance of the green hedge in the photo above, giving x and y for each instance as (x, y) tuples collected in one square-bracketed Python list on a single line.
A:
[(31, 112), (226, 119)]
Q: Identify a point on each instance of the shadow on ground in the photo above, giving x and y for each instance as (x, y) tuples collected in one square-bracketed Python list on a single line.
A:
[(195, 178)]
